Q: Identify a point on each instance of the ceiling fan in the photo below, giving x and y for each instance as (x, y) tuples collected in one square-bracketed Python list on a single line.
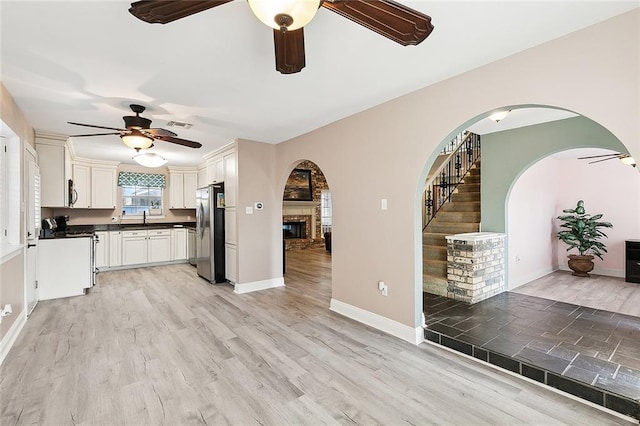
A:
[(138, 133), (288, 18), (625, 158)]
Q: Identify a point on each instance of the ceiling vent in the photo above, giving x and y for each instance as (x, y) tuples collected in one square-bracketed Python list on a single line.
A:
[(179, 124)]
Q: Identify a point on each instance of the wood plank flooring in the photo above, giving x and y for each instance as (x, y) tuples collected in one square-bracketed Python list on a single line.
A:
[(598, 291), (160, 346)]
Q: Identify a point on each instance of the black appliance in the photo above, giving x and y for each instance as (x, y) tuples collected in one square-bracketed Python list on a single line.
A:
[(72, 194), (61, 223), (210, 258), (49, 227)]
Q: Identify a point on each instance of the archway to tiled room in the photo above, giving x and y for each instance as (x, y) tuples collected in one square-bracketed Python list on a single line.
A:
[(530, 334), (307, 217)]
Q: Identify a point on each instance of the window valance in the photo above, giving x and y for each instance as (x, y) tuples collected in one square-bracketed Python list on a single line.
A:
[(141, 179)]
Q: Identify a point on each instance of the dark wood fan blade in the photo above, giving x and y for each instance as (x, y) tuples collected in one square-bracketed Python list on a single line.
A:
[(159, 132), (94, 134), (178, 141), (388, 18), (598, 156), (163, 11), (97, 127), (604, 159), (289, 46)]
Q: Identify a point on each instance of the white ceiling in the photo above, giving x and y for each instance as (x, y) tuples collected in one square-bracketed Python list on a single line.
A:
[(86, 61)]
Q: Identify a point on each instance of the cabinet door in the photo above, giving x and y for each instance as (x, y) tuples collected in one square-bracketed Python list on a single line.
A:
[(115, 249), (102, 250), (190, 187), (82, 186), (202, 178), (218, 170), (103, 188), (159, 247), (134, 249), (176, 190), (51, 160), (191, 245), (230, 179), (230, 234), (179, 242), (231, 266)]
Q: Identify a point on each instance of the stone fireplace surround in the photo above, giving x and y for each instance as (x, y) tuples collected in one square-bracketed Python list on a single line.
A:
[(301, 211)]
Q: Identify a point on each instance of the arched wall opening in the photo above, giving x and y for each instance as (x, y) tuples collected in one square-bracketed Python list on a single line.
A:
[(508, 153), (307, 217)]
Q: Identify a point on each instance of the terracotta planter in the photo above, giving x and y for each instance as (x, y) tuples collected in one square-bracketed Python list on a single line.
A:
[(581, 265)]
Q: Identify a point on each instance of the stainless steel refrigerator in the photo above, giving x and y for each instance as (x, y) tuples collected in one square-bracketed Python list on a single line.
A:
[(210, 257)]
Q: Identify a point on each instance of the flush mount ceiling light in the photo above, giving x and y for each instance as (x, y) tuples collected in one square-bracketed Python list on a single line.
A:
[(150, 159), (286, 15), (137, 140), (497, 116), (628, 160)]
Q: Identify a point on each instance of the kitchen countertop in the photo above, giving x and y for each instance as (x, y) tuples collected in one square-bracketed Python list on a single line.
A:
[(75, 231)]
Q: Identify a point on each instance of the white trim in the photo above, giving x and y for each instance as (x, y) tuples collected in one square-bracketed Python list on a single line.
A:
[(9, 339), (392, 327), (241, 288)]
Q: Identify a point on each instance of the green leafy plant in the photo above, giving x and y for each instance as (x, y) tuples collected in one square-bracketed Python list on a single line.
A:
[(582, 231)]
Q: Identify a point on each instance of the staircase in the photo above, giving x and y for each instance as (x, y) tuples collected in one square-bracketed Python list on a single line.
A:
[(461, 214)]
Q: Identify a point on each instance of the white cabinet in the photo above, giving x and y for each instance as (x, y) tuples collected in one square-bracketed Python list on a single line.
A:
[(56, 278), (179, 244), (95, 187), (182, 189), (191, 245), (103, 187), (230, 179), (54, 162), (142, 246), (102, 250), (159, 246), (115, 248), (134, 247), (81, 186), (231, 265)]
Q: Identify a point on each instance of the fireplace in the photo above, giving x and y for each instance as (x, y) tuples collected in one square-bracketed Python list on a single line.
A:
[(294, 230)]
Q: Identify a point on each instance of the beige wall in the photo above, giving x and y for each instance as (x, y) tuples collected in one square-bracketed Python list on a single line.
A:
[(103, 216), (14, 118), (594, 72)]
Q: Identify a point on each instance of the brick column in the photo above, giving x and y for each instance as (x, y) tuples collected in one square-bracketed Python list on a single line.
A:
[(475, 266)]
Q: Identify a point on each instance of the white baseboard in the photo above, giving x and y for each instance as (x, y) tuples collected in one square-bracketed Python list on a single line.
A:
[(389, 326), (9, 339), (241, 288), (608, 272)]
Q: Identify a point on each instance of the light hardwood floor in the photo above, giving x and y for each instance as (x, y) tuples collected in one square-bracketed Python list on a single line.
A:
[(160, 346), (600, 292)]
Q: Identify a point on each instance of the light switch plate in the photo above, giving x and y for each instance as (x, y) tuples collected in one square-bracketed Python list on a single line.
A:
[(248, 210), (383, 204)]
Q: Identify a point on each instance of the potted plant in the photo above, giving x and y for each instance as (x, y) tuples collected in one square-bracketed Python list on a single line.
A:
[(582, 231)]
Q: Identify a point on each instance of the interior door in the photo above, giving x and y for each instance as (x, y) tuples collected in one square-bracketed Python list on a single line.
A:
[(32, 208)]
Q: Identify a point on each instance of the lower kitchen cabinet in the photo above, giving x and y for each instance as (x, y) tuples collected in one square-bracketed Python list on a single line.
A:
[(179, 244), (159, 246), (57, 276), (102, 250), (231, 267), (134, 247), (115, 249)]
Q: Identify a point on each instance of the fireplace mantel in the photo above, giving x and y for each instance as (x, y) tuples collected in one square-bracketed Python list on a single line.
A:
[(300, 204)]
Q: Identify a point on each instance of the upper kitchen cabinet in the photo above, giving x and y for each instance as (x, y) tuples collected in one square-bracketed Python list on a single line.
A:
[(221, 167), (183, 183), (54, 160), (94, 184)]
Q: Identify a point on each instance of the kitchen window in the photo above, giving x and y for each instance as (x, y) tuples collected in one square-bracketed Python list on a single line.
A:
[(142, 193)]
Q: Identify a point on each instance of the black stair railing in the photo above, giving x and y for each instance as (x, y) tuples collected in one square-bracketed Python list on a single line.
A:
[(443, 182)]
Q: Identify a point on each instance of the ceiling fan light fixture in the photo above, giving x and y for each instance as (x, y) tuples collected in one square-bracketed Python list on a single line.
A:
[(285, 14), (136, 140), (500, 115), (150, 159), (628, 160)]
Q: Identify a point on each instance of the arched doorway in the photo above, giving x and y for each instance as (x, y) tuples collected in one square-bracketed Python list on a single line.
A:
[(307, 217)]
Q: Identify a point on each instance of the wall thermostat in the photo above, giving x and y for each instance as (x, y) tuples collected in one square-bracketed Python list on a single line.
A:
[(259, 206)]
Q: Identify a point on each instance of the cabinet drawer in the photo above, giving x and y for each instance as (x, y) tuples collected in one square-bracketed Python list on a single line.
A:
[(160, 233), (134, 234)]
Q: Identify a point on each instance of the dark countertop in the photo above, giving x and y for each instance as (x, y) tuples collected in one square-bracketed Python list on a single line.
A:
[(75, 231)]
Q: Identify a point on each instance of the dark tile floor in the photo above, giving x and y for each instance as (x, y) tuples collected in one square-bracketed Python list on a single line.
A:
[(590, 346)]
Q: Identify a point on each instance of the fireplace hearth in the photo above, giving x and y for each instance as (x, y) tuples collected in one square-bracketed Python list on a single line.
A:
[(291, 230)]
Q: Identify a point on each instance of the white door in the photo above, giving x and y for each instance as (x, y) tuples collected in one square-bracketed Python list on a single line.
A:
[(32, 206)]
